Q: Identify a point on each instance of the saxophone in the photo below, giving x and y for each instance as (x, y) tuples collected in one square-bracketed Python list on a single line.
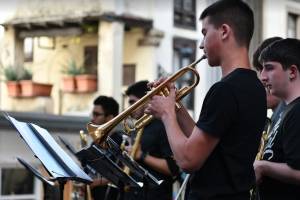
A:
[(263, 140), (259, 156)]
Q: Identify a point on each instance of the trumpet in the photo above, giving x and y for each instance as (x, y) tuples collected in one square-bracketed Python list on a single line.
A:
[(99, 133)]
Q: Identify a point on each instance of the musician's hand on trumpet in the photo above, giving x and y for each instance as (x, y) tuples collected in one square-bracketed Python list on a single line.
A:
[(156, 83), (161, 106), (259, 167)]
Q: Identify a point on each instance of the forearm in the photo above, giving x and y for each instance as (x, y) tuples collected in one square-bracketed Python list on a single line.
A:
[(177, 140), (281, 171), (185, 121), (158, 164)]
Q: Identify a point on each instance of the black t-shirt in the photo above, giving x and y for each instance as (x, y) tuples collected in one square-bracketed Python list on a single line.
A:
[(283, 146), (234, 110), (154, 141)]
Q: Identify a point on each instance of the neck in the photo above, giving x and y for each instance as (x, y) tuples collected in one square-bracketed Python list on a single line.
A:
[(233, 59), (293, 92)]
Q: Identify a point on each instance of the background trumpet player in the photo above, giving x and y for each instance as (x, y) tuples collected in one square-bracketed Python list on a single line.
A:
[(104, 109), (220, 148), (154, 152)]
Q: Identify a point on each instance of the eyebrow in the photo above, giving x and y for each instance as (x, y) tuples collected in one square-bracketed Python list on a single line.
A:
[(268, 65)]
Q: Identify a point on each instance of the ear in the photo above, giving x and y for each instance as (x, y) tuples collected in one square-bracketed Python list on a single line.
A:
[(293, 72), (225, 31), (109, 117)]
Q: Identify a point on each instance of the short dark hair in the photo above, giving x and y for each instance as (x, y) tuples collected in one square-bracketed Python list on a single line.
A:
[(285, 51), (138, 89), (237, 14), (255, 62), (109, 105)]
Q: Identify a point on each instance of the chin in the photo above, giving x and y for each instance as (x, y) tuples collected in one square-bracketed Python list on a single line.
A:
[(212, 63)]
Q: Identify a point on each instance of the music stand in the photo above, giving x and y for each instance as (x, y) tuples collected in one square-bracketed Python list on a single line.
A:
[(137, 169), (100, 160), (58, 163), (86, 167)]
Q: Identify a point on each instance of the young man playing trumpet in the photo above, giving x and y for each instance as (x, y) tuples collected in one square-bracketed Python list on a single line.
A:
[(105, 108), (220, 148), (154, 153)]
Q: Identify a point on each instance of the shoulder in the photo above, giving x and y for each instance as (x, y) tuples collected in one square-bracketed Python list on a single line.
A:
[(220, 86), (292, 110), (220, 89)]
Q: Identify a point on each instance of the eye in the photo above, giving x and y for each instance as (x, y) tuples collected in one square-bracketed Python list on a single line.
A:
[(268, 67)]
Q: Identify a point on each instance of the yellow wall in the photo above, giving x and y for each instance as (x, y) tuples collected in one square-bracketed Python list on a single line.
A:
[(142, 56)]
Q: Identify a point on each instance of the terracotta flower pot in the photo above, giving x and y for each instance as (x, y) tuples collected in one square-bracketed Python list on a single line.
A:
[(69, 84), (32, 89), (13, 88), (86, 83)]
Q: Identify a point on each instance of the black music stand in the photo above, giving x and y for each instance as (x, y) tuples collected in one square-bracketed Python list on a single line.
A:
[(100, 160), (86, 167), (58, 163), (144, 175), (137, 169)]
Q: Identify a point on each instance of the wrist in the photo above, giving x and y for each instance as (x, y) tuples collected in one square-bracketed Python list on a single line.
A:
[(264, 167), (168, 115)]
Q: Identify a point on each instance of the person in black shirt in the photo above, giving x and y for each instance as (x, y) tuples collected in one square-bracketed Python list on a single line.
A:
[(104, 109), (278, 174), (219, 150), (154, 153), (273, 102)]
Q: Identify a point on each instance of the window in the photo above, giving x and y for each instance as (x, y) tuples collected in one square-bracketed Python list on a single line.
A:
[(128, 74), (46, 42), (184, 54), (185, 13), (28, 49), (16, 183), (292, 25), (91, 59)]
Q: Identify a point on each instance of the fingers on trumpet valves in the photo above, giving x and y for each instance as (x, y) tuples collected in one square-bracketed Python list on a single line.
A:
[(156, 83)]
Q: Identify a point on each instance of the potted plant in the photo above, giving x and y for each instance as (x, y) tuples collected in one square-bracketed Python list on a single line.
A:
[(30, 88), (77, 80), (86, 82), (12, 83), (69, 84)]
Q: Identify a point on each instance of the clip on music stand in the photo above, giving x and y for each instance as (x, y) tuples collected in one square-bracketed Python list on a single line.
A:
[(137, 169), (58, 163)]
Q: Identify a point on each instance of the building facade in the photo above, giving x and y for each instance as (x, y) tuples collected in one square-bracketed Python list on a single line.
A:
[(118, 42)]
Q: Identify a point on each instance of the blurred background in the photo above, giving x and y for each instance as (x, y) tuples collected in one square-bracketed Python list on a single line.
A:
[(57, 56)]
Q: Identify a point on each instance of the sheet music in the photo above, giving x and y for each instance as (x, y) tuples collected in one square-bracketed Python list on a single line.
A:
[(57, 167)]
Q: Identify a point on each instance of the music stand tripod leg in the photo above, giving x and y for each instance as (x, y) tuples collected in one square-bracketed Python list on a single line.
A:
[(61, 188), (121, 187), (145, 188)]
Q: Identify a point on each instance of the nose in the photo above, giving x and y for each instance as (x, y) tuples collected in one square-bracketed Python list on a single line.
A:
[(263, 76), (201, 44)]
